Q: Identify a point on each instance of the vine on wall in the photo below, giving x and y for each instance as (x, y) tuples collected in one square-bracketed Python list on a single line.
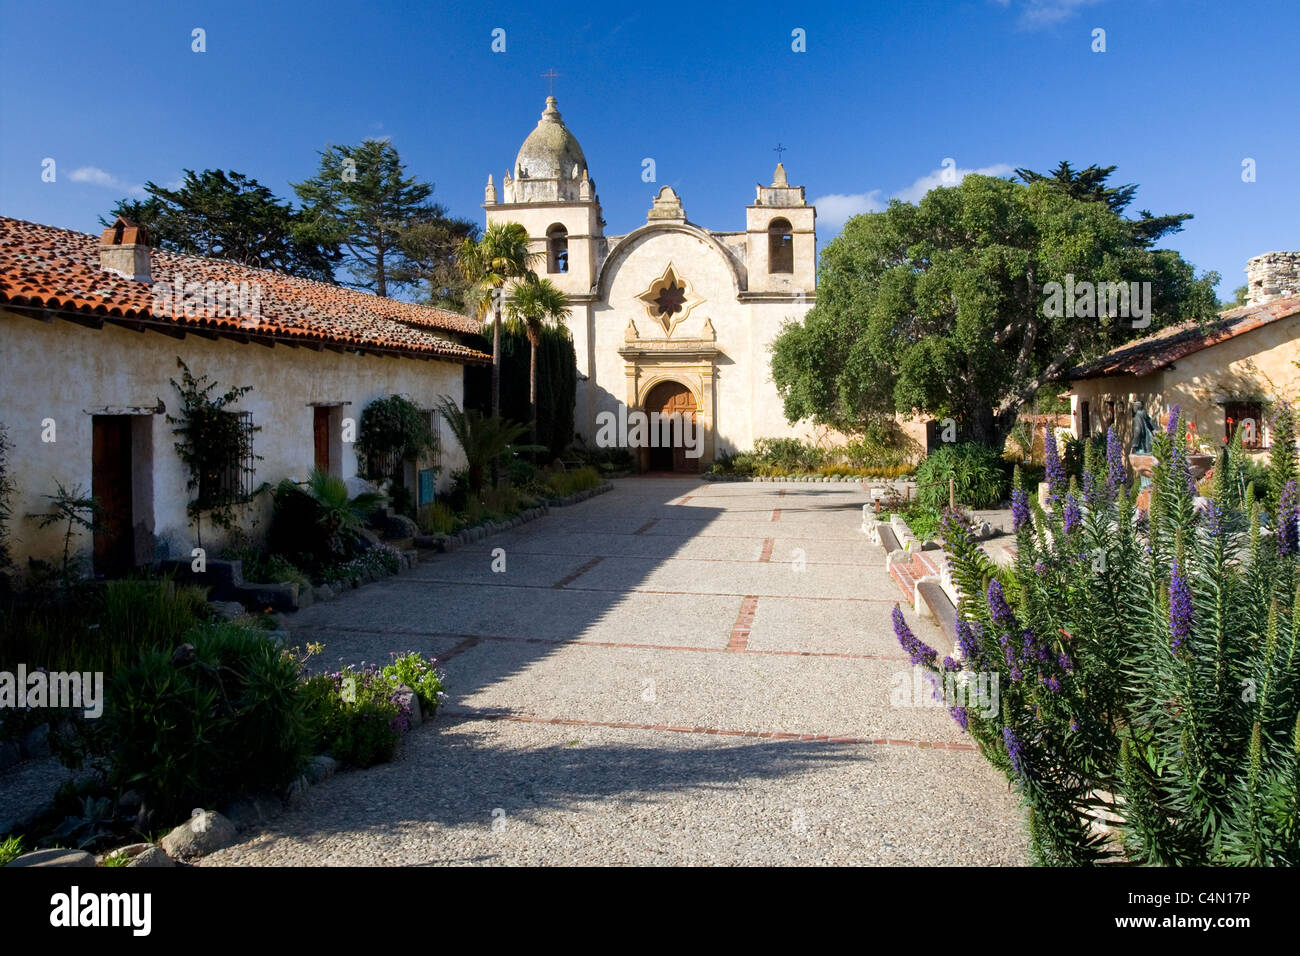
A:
[(216, 446)]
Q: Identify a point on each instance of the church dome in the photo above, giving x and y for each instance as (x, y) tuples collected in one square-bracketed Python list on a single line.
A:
[(550, 164)]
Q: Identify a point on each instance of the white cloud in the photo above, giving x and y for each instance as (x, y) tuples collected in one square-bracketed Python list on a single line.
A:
[(1043, 13), (98, 177), (914, 192), (837, 208)]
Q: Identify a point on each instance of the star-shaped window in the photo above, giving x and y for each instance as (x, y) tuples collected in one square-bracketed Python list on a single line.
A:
[(669, 300)]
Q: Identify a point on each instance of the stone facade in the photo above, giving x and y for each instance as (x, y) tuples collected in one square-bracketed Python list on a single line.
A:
[(668, 303), (1274, 275)]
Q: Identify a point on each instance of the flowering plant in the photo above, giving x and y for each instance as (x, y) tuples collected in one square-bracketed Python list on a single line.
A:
[(420, 675), (1149, 670)]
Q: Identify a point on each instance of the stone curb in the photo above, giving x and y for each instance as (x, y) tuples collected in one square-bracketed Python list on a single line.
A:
[(443, 543)]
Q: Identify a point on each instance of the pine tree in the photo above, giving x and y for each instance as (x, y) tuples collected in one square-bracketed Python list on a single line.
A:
[(362, 199)]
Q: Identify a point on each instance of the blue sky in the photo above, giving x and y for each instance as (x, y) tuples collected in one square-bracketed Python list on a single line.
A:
[(885, 91)]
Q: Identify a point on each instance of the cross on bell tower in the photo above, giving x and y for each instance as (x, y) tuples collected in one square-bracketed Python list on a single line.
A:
[(550, 76)]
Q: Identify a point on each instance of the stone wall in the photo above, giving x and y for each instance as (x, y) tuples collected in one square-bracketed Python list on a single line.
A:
[(1273, 275)]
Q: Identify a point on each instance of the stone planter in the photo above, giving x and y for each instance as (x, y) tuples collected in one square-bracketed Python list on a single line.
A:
[(1199, 464)]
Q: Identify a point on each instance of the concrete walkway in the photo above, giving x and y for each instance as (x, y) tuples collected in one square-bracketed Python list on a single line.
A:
[(674, 673)]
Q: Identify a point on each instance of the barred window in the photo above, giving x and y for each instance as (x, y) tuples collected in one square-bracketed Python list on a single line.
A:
[(231, 479), (435, 422)]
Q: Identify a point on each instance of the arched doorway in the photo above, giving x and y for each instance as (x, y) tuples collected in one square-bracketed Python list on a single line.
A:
[(669, 398)]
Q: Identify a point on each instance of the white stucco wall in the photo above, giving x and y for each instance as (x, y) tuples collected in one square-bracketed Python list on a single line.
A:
[(746, 405), (59, 370)]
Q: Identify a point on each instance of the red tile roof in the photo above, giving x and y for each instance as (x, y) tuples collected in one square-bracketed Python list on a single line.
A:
[(1150, 354), (59, 270)]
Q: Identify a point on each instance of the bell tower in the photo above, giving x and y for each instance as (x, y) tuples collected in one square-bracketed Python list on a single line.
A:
[(550, 192), (781, 239)]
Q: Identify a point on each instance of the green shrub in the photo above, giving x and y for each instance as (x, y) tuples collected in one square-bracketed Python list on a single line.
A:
[(501, 500), (260, 567), (96, 628), (740, 464), (884, 451), (145, 613), (317, 525), (352, 715), (978, 473), (923, 520), (382, 560), (195, 728), (564, 483), (390, 431), (607, 461), (437, 517), (788, 455)]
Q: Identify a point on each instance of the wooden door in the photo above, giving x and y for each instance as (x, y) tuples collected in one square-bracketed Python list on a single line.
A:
[(672, 398), (321, 435), (110, 484)]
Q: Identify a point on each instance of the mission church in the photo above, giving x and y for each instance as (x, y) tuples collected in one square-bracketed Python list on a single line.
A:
[(669, 317)]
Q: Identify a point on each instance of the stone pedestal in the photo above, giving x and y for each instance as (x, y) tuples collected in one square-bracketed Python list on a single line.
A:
[(1142, 465)]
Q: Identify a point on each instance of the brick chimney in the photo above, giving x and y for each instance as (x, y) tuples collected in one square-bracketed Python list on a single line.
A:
[(124, 250), (1274, 275)]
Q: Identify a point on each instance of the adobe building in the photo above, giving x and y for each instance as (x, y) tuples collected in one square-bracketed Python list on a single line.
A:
[(1221, 375), (91, 328)]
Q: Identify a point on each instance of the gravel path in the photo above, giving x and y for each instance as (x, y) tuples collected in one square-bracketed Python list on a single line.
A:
[(677, 673)]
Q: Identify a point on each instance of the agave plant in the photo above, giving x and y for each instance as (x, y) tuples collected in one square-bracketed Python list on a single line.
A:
[(1148, 667), (340, 515)]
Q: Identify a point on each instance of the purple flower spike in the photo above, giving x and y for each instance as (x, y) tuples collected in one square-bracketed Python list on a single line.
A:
[(1090, 495), (1180, 608), (1288, 518), (998, 606), (1056, 480), (1019, 508), (1116, 472), (1014, 749), (918, 650), (1171, 426), (1213, 520), (1073, 516), (968, 639)]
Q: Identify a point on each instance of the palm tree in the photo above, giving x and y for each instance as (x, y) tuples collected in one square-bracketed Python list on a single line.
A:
[(532, 303), (483, 440), (500, 255)]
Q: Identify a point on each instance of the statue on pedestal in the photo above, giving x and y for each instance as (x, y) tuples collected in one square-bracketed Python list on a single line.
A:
[(1143, 430)]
